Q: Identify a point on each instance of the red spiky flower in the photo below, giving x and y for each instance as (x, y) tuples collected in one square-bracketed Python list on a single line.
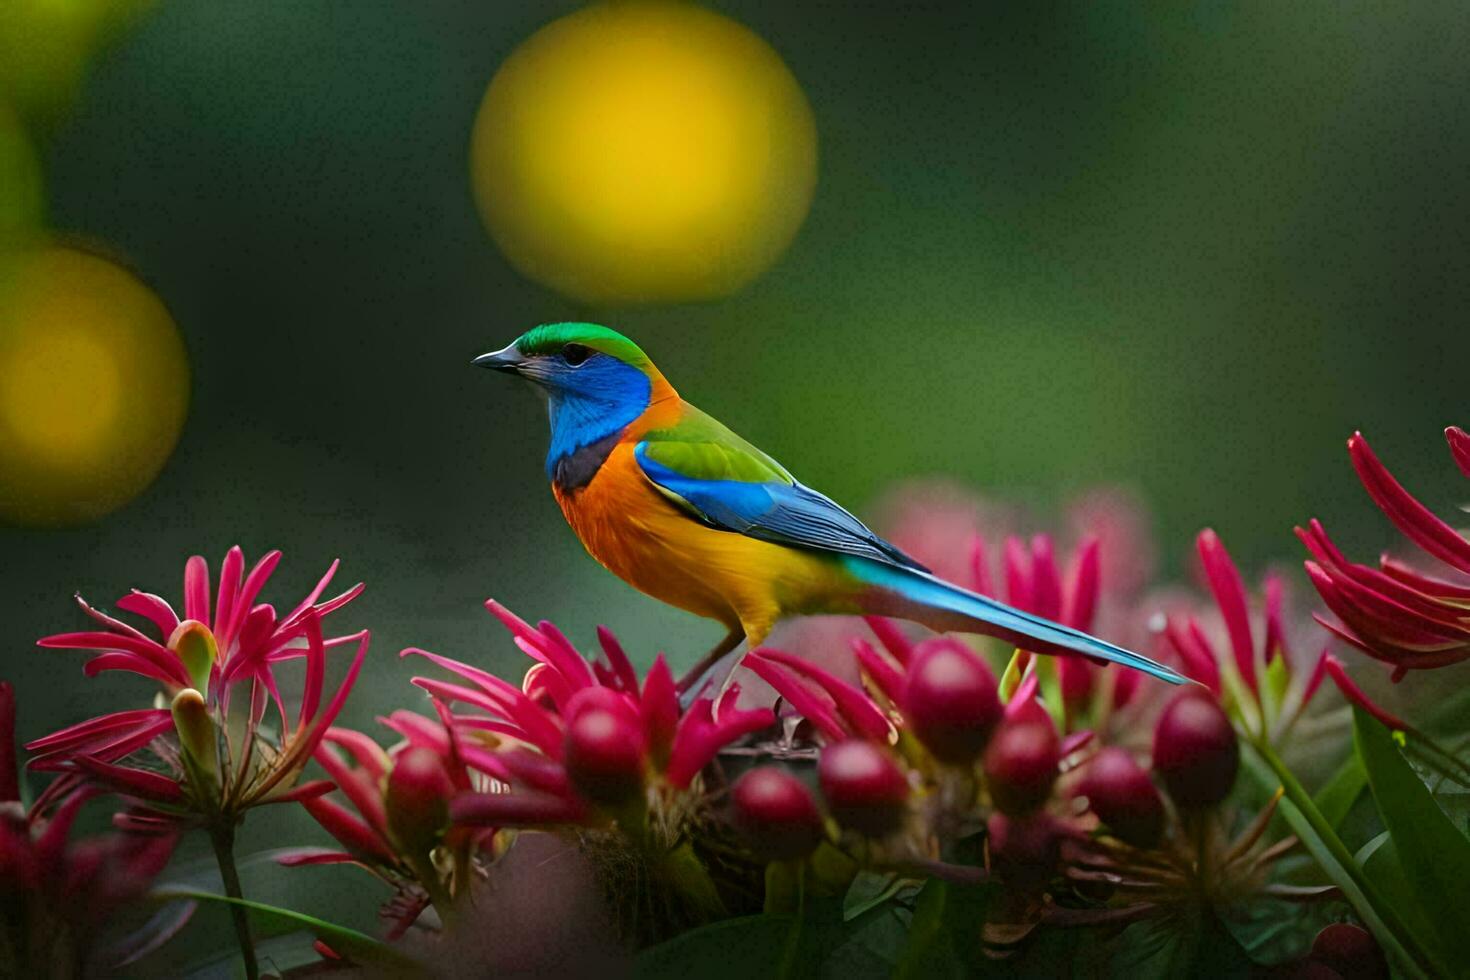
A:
[(560, 736), (1408, 619), (56, 892)]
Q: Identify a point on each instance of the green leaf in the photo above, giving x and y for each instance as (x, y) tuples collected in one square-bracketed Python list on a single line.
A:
[(930, 950), (1432, 852), (1337, 797), (352, 944), (1322, 842), (869, 889)]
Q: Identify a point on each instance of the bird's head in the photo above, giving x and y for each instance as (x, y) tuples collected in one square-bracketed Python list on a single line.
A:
[(580, 362), (596, 380)]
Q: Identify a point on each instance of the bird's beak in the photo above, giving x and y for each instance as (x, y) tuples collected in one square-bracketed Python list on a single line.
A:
[(506, 359)]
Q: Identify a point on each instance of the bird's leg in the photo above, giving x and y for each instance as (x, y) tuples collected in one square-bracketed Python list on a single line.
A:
[(730, 642)]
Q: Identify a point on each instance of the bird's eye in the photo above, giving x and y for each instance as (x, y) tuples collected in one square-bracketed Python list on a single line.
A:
[(575, 354)]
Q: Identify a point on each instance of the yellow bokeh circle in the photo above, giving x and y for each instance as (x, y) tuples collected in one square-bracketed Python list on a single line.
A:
[(94, 386), (643, 152)]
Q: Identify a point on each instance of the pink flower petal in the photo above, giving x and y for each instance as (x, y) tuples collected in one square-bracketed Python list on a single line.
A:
[(299, 857), (1017, 573), (1415, 520), (1082, 599), (165, 663), (368, 755), (885, 676), (862, 716), (809, 704), (892, 637), (660, 709), (130, 782), (1459, 441), (980, 567), (621, 665), (153, 608), (1229, 592), (1046, 583), (348, 828), (1357, 696), (196, 589), (228, 596)]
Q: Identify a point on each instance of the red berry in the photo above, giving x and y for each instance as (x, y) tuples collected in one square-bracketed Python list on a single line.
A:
[(419, 790), (1196, 753), (1124, 798), (775, 813), (863, 786), (1351, 951), (1024, 851), (1021, 765), (949, 700), (603, 754)]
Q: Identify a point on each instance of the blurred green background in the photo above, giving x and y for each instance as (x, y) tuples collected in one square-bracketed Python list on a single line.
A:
[(1187, 248)]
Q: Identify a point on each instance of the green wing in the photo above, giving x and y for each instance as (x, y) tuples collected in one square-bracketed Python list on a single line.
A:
[(727, 483)]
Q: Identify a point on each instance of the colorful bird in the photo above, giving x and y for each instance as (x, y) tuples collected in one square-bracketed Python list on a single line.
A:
[(685, 510)]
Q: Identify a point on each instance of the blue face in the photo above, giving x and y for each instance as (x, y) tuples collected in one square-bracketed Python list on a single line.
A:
[(590, 395)]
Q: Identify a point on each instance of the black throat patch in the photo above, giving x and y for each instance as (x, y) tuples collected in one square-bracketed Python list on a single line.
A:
[(577, 468)]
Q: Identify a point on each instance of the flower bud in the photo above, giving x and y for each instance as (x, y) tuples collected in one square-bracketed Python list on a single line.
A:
[(603, 753), (863, 786), (198, 736), (949, 700), (775, 814), (1021, 765), (1024, 851), (419, 790), (1124, 798), (1350, 951), (194, 645), (1196, 753)]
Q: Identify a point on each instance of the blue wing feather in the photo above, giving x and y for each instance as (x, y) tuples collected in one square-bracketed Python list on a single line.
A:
[(785, 513)]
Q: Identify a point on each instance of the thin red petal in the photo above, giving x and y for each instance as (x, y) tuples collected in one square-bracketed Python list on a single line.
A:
[(1046, 582), (621, 665), (808, 703), (885, 676), (1415, 520), (892, 637), (659, 708), (196, 589), (980, 567), (1229, 592), (1082, 599), (153, 608), (1357, 696), (347, 827), (1459, 441), (228, 595), (863, 717)]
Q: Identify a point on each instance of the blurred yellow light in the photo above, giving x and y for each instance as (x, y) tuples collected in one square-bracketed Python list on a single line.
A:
[(94, 386), (643, 152)]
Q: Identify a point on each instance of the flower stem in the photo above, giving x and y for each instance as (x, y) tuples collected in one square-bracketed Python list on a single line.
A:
[(1378, 914), (222, 836)]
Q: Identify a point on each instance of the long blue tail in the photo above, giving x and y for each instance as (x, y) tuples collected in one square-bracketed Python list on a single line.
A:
[(910, 594)]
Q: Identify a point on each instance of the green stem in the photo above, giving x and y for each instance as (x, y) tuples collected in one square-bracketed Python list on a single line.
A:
[(222, 837), (1377, 913)]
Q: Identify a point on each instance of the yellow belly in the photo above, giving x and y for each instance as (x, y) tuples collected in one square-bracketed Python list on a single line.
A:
[(647, 541)]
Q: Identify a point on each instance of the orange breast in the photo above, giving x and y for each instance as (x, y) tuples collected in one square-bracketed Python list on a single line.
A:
[(649, 542)]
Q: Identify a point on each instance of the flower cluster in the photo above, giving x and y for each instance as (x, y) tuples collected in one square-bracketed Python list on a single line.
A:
[(1408, 619), (1077, 794), (211, 755)]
